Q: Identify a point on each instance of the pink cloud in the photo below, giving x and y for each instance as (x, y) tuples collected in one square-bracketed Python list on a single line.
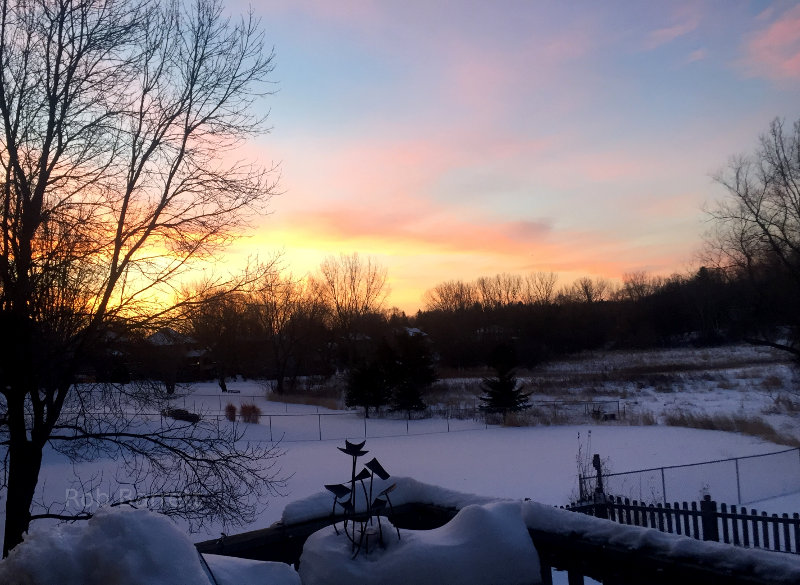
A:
[(424, 227), (697, 55), (774, 52), (666, 35), (685, 19)]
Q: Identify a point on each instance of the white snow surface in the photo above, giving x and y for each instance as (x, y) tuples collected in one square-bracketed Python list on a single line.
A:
[(122, 546), (234, 571), (482, 544), (407, 490), (512, 463)]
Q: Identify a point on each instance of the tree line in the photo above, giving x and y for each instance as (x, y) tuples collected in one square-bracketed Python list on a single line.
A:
[(282, 328)]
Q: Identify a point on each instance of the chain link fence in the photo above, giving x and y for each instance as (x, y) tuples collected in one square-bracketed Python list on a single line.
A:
[(743, 480)]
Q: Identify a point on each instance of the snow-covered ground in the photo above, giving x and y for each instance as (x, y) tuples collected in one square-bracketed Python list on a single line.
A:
[(519, 462)]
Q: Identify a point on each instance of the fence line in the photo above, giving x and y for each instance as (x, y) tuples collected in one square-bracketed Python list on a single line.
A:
[(287, 427), (727, 524), (743, 479)]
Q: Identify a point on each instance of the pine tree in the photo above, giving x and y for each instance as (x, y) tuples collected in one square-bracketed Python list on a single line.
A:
[(414, 372), (503, 393), (370, 383)]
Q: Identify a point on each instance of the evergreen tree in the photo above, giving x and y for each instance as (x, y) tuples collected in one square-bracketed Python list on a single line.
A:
[(370, 383), (414, 372), (503, 393)]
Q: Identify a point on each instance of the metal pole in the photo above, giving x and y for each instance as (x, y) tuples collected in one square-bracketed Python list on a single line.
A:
[(738, 484), (270, 428), (319, 421), (663, 486)]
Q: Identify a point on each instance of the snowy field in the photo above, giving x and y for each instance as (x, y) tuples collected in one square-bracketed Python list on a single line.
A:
[(518, 462)]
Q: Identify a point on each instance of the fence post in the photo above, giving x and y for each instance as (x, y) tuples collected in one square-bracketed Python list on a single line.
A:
[(663, 486), (708, 516), (738, 483)]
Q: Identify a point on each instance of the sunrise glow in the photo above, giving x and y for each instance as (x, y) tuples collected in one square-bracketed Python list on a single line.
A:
[(451, 140)]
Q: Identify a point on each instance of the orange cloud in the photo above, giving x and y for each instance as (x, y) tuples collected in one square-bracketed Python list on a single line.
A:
[(774, 52)]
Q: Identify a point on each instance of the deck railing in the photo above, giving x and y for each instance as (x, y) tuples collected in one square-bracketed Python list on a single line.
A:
[(706, 521), (602, 554)]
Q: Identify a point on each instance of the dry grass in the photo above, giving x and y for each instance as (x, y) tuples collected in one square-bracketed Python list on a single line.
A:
[(230, 412), (771, 383), (783, 404), (641, 419), (747, 425), (250, 413)]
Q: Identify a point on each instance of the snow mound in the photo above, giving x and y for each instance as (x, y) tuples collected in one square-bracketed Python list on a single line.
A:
[(233, 571), (408, 490), (482, 544), (125, 546), (117, 545)]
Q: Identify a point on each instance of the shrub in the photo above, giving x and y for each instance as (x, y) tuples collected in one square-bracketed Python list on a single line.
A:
[(250, 413), (230, 412)]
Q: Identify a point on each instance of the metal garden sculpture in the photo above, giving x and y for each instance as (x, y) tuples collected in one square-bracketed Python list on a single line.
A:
[(359, 523)]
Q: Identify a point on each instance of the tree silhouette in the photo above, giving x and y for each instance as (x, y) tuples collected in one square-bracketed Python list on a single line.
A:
[(415, 372), (119, 121), (503, 392)]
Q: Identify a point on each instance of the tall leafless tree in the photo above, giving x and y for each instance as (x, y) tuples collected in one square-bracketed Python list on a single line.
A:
[(756, 227), (352, 288), (500, 290), (286, 311), (119, 124), (539, 288), (451, 296)]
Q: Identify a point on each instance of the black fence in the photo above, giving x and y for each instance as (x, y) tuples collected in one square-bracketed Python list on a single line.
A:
[(703, 521)]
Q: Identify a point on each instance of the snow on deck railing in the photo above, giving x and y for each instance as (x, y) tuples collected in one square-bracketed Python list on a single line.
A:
[(579, 544)]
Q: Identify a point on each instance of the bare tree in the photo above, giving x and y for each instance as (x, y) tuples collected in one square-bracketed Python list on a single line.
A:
[(119, 122), (539, 288), (286, 311), (589, 290), (756, 228), (637, 285), (352, 288), (451, 296), (218, 322), (500, 290)]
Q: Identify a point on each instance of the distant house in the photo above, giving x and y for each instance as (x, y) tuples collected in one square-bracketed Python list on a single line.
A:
[(177, 357)]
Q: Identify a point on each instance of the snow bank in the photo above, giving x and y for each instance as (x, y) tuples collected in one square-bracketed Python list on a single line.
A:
[(118, 545), (124, 546), (482, 544)]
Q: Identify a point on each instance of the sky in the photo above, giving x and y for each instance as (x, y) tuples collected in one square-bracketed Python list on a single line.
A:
[(452, 140)]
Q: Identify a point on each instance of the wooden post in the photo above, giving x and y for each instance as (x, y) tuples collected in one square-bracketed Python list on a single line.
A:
[(598, 466), (546, 572), (708, 516)]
